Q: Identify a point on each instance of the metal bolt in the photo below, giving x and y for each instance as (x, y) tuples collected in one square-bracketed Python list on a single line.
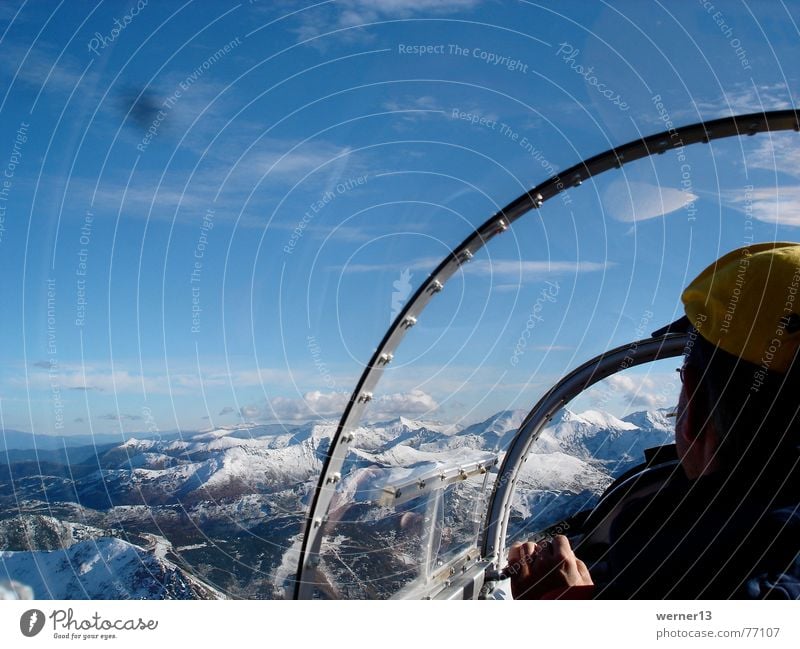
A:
[(435, 287)]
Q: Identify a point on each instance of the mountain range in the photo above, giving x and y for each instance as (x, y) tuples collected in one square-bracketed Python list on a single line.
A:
[(220, 513)]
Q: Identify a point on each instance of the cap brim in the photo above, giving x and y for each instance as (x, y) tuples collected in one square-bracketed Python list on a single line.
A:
[(681, 326)]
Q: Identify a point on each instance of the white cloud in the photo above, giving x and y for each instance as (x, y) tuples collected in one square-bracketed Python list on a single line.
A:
[(413, 403), (412, 110), (532, 269), (638, 201), (422, 263), (355, 12), (745, 98), (642, 391), (778, 205), (261, 175), (331, 405), (776, 152), (124, 381), (511, 268), (351, 13)]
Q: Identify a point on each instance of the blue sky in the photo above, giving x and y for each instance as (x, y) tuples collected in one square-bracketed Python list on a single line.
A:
[(212, 210)]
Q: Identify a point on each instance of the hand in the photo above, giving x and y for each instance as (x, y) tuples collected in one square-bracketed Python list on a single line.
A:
[(548, 570)]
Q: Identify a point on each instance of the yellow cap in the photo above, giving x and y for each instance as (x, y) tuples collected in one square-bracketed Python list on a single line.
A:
[(748, 304)]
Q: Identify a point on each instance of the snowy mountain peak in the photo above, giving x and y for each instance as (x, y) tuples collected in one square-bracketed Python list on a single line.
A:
[(105, 568), (605, 420)]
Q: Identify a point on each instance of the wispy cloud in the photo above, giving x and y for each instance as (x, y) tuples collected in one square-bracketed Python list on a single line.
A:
[(352, 13), (272, 164), (638, 201), (747, 98), (326, 405), (411, 110), (120, 417), (533, 269), (124, 381), (510, 268), (39, 69), (776, 152), (642, 391), (779, 205), (738, 99)]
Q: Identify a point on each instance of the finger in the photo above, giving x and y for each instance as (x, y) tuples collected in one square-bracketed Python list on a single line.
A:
[(561, 547), (526, 562), (586, 576), (515, 553)]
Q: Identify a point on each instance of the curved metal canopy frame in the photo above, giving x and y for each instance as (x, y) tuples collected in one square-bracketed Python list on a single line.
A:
[(581, 378), (702, 132)]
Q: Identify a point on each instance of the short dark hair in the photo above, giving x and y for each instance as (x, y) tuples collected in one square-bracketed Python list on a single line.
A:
[(755, 413)]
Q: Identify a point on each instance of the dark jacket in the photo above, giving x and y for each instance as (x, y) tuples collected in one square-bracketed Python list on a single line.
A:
[(708, 539)]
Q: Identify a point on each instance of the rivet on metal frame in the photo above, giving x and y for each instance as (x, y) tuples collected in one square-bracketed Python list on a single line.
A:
[(435, 287), (408, 322), (385, 359), (365, 397)]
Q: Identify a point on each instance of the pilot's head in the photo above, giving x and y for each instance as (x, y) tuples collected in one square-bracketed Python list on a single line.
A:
[(738, 409)]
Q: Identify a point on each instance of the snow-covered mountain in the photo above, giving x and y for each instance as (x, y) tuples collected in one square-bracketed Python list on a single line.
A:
[(230, 503), (104, 568)]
